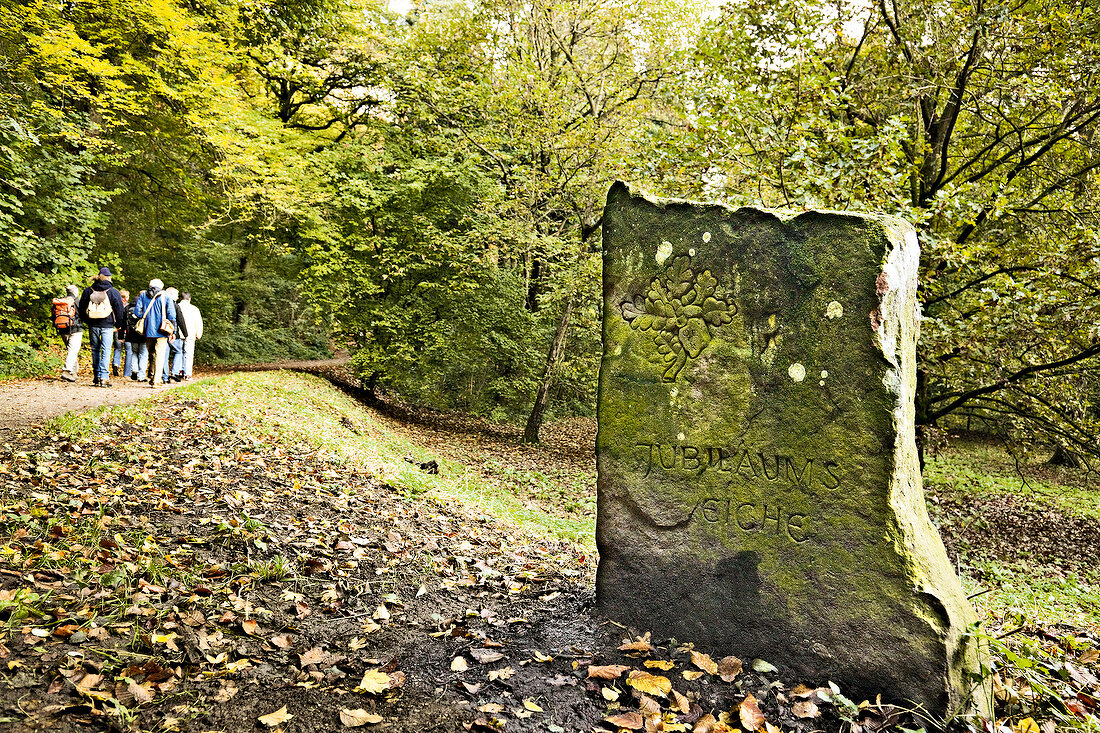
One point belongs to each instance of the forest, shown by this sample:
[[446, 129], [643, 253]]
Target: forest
[[425, 188]]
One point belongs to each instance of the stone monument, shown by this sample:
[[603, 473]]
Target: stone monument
[[759, 489]]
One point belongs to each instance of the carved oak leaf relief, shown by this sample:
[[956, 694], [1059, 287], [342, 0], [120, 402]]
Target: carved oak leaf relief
[[678, 311]]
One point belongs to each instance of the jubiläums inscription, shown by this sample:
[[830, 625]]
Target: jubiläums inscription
[[759, 493]]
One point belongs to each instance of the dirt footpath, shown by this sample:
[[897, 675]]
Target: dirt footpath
[[26, 402]]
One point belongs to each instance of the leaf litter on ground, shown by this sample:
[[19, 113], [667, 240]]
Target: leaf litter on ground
[[158, 564]]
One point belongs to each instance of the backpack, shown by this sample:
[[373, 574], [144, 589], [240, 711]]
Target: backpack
[[99, 305], [131, 317], [64, 313]]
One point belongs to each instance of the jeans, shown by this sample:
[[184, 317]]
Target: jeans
[[129, 362], [100, 338], [188, 356], [116, 358], [72, 342], [173, 361], [141, 359]]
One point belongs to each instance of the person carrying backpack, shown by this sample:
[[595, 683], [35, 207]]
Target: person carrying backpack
[[156, 320], [66, 319], [101, 307]]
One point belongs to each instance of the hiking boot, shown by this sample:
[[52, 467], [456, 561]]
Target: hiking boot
[[106, 383], [68, 376], [95, 382], [134, 377], [114, 370]]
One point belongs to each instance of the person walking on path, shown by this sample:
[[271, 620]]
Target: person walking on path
[[66, 319], [173, 364], [156, 315], [101, 306], [193, 318], [132, 342], [120, 339]]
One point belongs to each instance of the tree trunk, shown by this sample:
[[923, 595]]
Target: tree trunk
[[241, 305], [534, 420], [1063, 457]]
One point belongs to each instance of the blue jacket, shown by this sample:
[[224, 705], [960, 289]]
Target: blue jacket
[[117, 308], [156, 307]]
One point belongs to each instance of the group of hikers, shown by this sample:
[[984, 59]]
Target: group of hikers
[[132, 337]]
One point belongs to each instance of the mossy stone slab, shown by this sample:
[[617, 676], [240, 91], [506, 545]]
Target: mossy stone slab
[[759, 489]]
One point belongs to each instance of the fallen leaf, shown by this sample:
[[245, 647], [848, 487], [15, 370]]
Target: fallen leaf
[[486, 656], [1089, 656], [316, 655], [630, 721], [681, 703], [492, 708], [534, 708], [358, 717], [729, 668], [662, 664], [692, 674], [540, 657], [649, 684], [250, 627], [759, 665], [802, 691], [459, 664], [500, 674], [472, 689], [638, 647], [606, 672], [140, 693], [805, 709], [89, 682], [381, 613], [751, 717], [705, 724], [1027, 725], [704, 662], [283, 641], [227, 692], [648, 706], [609, 693], [278, 717], [374, 682]]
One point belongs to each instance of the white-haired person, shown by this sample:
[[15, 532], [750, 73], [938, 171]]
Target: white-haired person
[[187, 312], [156, 314]]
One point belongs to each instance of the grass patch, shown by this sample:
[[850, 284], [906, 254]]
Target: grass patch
[[1019, 595], [291, 408], [1047, 582], [983, 469]]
